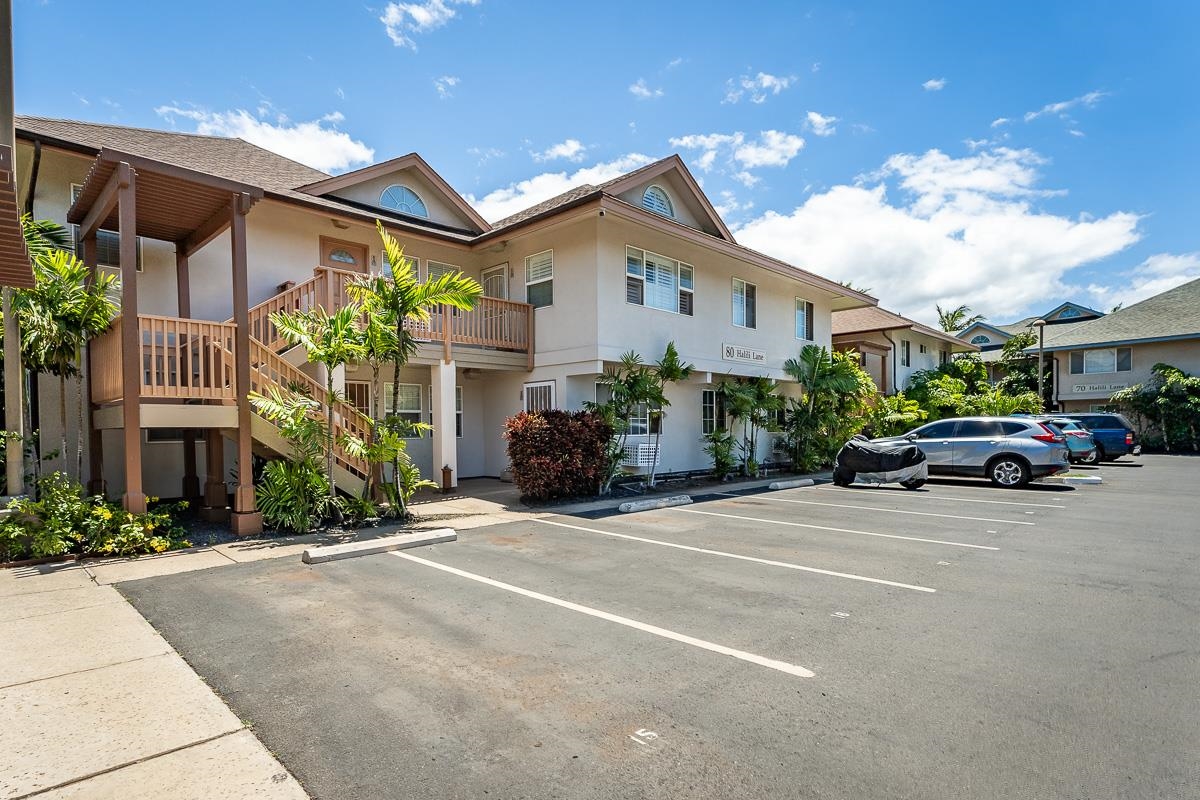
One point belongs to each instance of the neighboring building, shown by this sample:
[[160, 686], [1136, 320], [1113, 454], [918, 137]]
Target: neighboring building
[[1113, 351], [893, 347], [991, 338], [228, 230]]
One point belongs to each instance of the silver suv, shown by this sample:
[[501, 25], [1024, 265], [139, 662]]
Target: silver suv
[[1011, 451]]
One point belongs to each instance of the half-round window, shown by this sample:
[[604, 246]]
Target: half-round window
[[980, 339], [657, 201], [1070, 313], [342, 256], [403, 199]]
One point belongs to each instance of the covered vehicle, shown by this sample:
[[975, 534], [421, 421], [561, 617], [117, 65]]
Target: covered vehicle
[[880, 462]]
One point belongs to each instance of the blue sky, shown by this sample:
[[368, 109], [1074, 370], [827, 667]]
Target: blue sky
[[1008, 156]]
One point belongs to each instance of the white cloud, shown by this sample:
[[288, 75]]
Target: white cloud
[[500, 203], [402, 20], [675, 62], [758, 87], [643, 92], [340, 93], [998, 121], [444, 84], [571, 150], [816, 67], [485, 154], [965, 231], [1076, 133], [728, 204], [771, 149], [934, 84], [1088, 100], [1155, 275], [822, 125], [318, 143]]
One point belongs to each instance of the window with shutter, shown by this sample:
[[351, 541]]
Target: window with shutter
[[539, 396], [408, 407], [658, 282], [804, 320], [745, 302], [1076, 362], [436, 269], [655, 199], [539, 279]]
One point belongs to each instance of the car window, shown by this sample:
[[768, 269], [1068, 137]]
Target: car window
[[1066, 425], [1013, 428], [978, 427], [1097, 422], [938, 430]]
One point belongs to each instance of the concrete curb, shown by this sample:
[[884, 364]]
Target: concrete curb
[[1072, 480], [796, 484], [660, 502], [336, 552]]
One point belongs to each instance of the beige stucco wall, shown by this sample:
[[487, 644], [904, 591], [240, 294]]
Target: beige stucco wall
[[1184, 354]]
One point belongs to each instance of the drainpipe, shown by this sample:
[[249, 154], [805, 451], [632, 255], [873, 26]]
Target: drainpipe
[[33, 175]]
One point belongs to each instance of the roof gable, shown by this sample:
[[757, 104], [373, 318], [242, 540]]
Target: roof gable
[[365, 186], [966, 334], [1073, 312], [1173, 314], [688, 202]]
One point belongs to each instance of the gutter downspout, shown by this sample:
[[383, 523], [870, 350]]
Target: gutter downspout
[[13, 417], [33, 175]]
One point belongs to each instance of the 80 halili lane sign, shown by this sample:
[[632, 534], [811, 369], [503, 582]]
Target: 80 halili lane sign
[[735, 352]]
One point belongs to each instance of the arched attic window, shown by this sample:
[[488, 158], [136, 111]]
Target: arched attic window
[[403, 199], [980, 339], [655, 199]]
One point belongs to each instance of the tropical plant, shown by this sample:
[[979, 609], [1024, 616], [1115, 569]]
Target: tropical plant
[[59, 315], [405, 303], [633, 387], [558, 453], [892, 415], [1166, 408], [836, 396], [719, 445], [942, 392], [292, 493], [64, 520], [953, 320], [1019, 366], [332, 340], [994, 401], [669, 369], [755, 404]]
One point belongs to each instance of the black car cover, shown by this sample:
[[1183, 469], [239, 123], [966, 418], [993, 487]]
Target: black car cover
[[860, 454]]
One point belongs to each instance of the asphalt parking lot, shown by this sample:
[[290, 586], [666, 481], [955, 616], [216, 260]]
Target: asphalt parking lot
[[959, 641]]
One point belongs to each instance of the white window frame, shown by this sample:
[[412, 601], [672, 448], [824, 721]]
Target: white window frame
[[905, 353], [678, 268], [411, 191], [419, 412], [442, 267], [923, 348], [539, 385], [539, 281], [745, 306], [980, 339], [458, 412], [75, 243], [805, 308], [708, 411], [1114, 352], [367, 386], [670, 204]]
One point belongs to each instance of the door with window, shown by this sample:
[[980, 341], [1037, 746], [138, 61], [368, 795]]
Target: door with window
[[936, 441], [976, 441], [344, 255]]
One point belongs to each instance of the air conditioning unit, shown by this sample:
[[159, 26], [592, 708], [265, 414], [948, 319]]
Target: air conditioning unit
[[641, 455]]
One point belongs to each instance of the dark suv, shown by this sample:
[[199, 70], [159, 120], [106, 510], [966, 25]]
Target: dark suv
[[1114, 436]]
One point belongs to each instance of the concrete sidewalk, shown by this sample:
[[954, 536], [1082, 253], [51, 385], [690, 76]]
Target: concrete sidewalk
[[95, 704]]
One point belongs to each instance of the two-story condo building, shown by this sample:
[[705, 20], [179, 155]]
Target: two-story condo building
[[893, 347], [213, 234]]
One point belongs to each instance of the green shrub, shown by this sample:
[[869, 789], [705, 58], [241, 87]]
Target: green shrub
[[558, 453], [719, 445], [63, 520]]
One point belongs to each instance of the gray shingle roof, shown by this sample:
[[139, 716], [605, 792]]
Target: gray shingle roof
[[546, 206], [1174, 314]]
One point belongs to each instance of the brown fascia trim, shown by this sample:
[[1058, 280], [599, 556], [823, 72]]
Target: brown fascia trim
[[519, 227], [671, 227], [873, 330]]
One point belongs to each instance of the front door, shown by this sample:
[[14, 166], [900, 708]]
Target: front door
[[344, 255], [495, 281]]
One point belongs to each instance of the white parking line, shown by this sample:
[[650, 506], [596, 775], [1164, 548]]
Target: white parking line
[[770, 663], [835, 530], [872, 508], [723, 554], [946, 498]]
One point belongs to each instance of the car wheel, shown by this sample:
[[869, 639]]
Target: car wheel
[[913, 485], [1008, 471], [1094, 458]]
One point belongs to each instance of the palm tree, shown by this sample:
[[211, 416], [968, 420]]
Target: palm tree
[[957, 319], [66, 308], [669, 369], [754, 402], [821, 375], [332, 340], [381, 342]]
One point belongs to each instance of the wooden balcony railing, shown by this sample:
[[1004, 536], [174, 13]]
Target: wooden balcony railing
[[494, 323], [180, 359]]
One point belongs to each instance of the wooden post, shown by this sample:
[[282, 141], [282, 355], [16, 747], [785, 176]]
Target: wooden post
[[883, 373], [96, 483], [183, 292], [246, 519], [447, 333], [131, 340], [14, 449], [216, 498]]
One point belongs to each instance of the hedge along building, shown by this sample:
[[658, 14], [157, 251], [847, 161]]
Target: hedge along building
[[570, 285]]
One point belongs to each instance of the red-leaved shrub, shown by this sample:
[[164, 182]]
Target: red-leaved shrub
[[557, 453]]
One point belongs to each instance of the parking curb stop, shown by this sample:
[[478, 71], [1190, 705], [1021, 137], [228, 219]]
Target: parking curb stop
[[796, 484], [336, 552], [660, 502], [1074, 480]]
